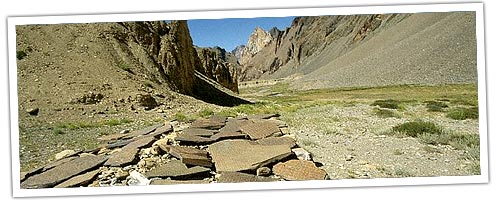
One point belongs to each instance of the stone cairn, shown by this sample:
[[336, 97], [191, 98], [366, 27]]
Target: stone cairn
[[255, 148]]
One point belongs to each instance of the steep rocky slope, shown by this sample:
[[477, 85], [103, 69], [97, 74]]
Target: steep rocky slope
[[219, 65], [79, 81], [369, 50]]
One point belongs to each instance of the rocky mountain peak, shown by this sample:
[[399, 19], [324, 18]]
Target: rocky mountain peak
[[256, 42]]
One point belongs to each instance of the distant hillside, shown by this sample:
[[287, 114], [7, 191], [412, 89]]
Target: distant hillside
[[370, 50]]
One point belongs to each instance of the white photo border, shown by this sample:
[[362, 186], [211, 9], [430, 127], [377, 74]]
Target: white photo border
[[478, 8]]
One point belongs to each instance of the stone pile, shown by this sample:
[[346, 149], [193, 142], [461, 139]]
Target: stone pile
[[215, 150]]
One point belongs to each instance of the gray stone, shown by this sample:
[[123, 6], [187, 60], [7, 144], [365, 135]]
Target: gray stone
[[238, 177], [57, 163], [241, 155], [143, 131], [175, 169], [63, 172], [233, 125], [80, 180], [295, 170], [118, 143], [260, 129]]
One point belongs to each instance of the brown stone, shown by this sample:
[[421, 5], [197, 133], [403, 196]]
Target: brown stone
[[228, 135], [124, 157], [199, 132], [143, 131], [238, 177], [63, 172], [241, 155], [208, 124], [141, 142], [118, 143], [79, 180], [176, 182], [295, 170], [57, 163], [186, 138], [290, 142], [166, 128], [112, 137], [218, 118], [191, 156], [260, 129], [233, 125], [175, 169], [264, 116]]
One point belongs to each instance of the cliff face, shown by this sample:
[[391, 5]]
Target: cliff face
[[220, 66], [308, 36], [164, 53]]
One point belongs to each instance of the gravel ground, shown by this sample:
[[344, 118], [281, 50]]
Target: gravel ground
[[350, 143]]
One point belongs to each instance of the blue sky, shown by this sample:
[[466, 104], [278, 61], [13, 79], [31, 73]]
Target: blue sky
[[231, 32]]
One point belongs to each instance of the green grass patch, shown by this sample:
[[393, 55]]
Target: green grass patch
[[430, 133], [57, 131], [418, 128], [388, 103], [181, 117], [463, 113], [205, 113], [385, 113], [116, 122], [20, 55], [435, 106], [125, 67]]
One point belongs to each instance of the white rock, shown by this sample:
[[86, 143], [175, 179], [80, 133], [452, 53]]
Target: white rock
[[302, 154], [135, 178], [64, 154]]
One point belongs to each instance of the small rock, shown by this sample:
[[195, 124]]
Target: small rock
[[135, 178], [263, 171], [125, 131], [349, 158], [33, 111], [301, 154]]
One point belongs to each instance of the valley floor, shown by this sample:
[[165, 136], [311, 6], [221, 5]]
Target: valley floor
[[354, 136]]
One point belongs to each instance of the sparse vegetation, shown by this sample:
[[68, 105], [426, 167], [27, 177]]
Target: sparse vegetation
[[206, 113], [125, 67], [384, 113], [431, 149], [388, 103], [20, 55], [181, 117], [418, 128], [435, 106], [402, 173], [463, 113]]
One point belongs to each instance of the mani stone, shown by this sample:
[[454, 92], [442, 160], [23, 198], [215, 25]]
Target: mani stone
[[233, 125], [242, 155], [124, 157], [79, 180], [175, 169], [191, 156], [63, 172], [298, 170], [213, 124], [238, 177], [186, 138], [260, 129], [141, 142], [166, 128], [199, 132], [228, 135], [290, 142]]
